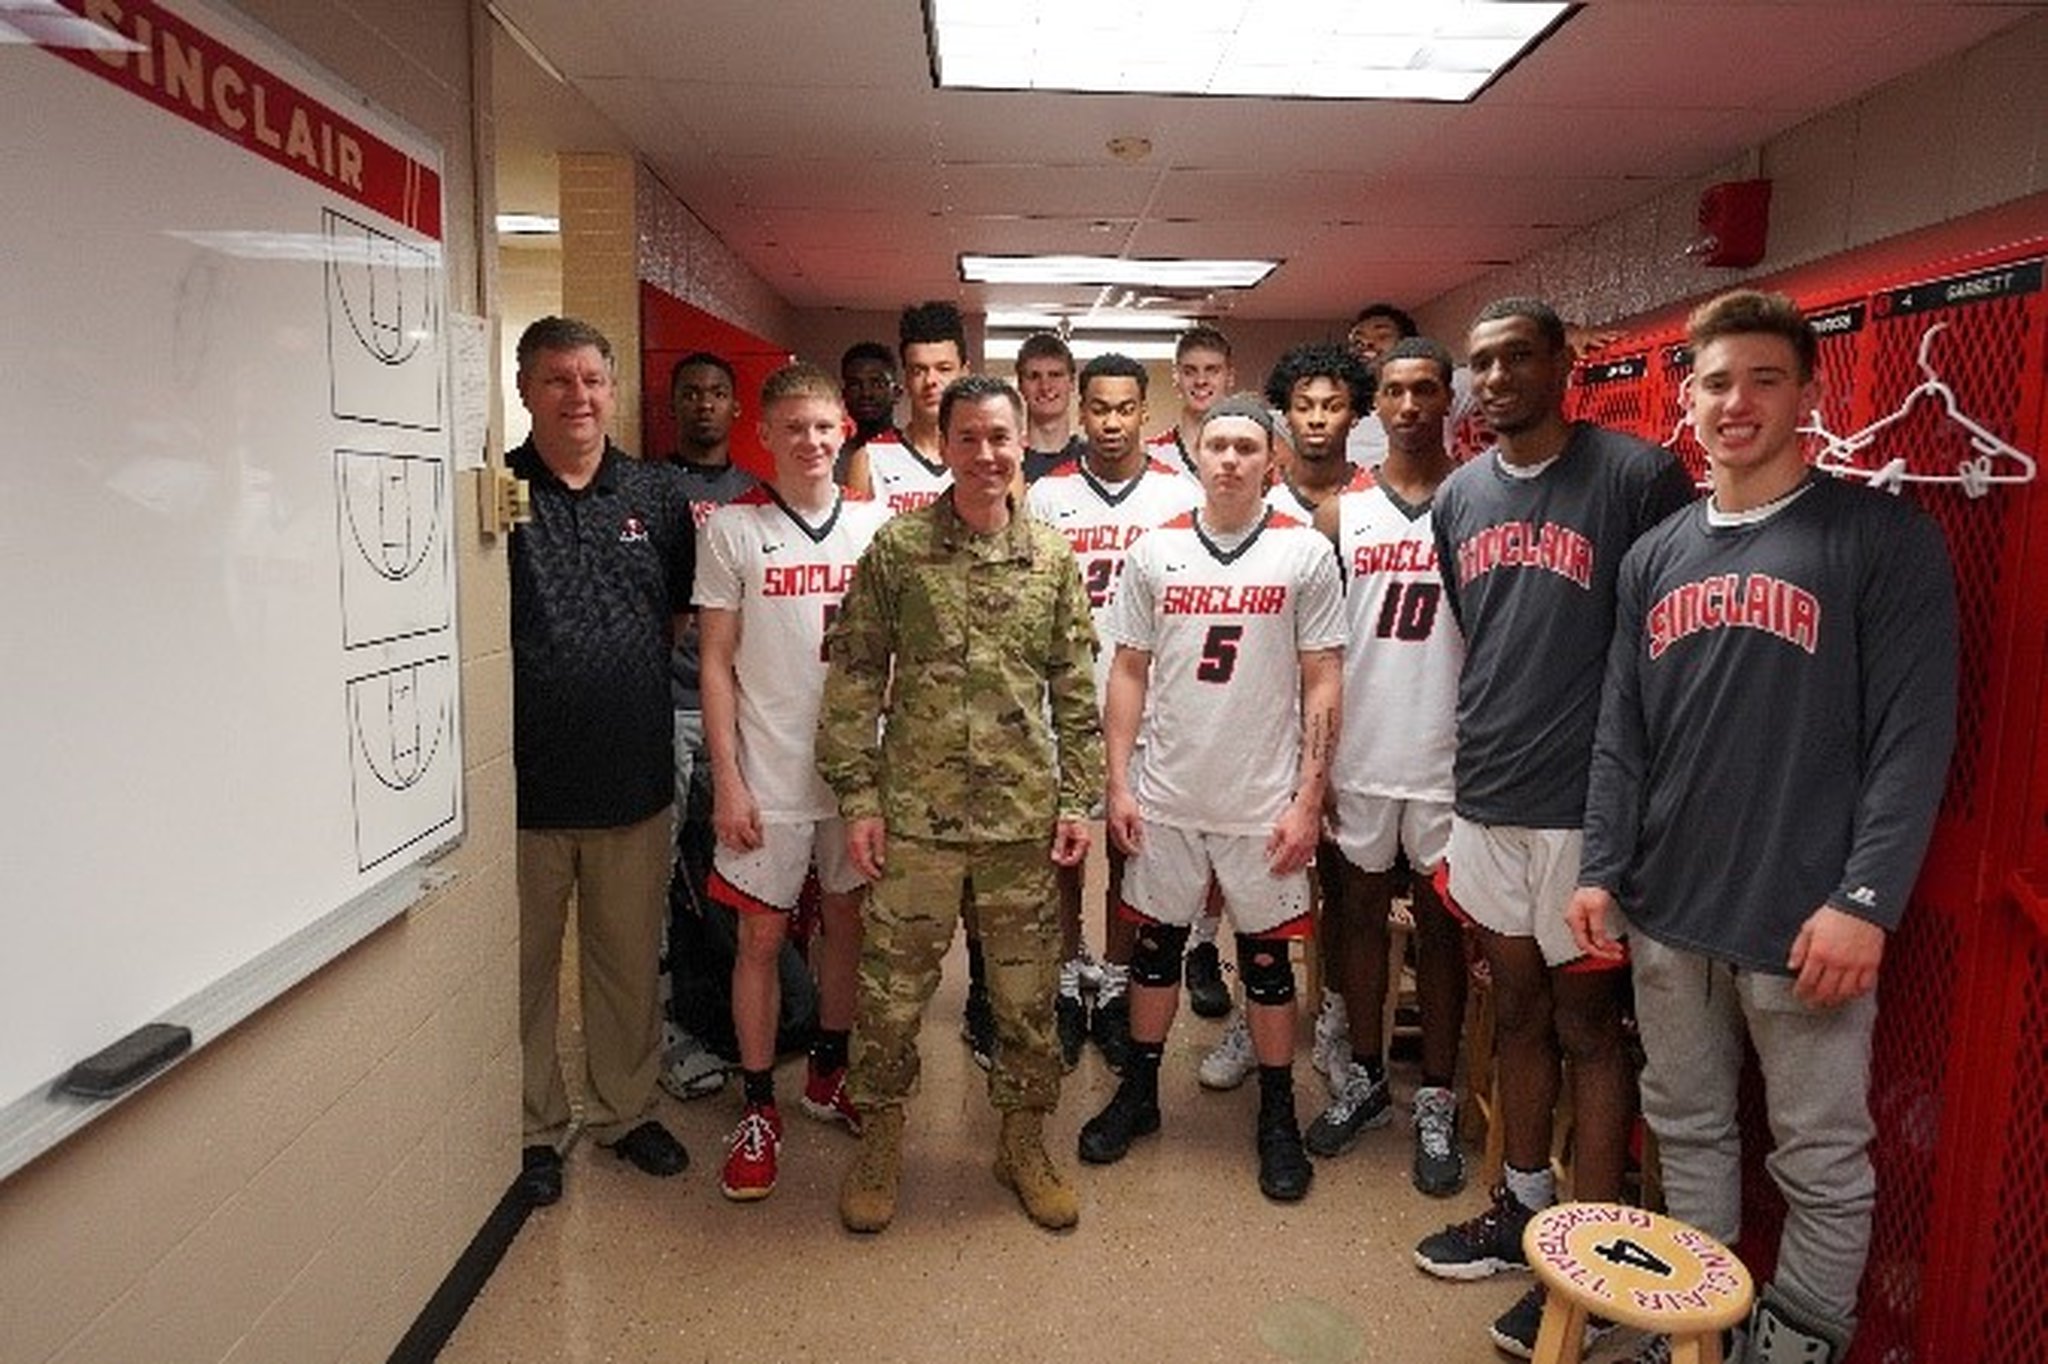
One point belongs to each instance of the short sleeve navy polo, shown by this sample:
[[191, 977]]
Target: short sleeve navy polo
[[597, 576]]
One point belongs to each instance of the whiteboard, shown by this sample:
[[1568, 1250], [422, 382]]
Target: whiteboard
[[229, 677]]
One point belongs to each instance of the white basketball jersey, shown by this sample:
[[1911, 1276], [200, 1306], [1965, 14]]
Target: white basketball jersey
[[901, 479], [1167, 449], [1401, 664], [1225, 628], [1102, 521], [785, 578], [1282, 498]]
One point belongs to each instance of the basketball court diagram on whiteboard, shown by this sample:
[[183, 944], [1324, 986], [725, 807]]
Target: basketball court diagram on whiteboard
[[383, 326], [400, 739], [394, 569]]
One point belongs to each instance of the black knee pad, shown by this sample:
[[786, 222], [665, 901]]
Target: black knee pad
[[1156, 958], [1266, 969]]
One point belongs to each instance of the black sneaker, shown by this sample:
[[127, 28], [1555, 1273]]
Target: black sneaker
[[1489, 1244], [1070, 1017], [1284, 1169], [1110, 1026], [978, 1026], [1361, 1103], [1514, 1331], [1208, 996], [1107, 1137]]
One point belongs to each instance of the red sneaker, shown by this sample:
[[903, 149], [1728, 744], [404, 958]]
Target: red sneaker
[[825, 1098], [750, 1165]]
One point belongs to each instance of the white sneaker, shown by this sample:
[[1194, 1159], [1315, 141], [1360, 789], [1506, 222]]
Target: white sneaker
[[691, 1070], [1074, 974], [1330, 1052], [1439, 1166], [1232, 1060]]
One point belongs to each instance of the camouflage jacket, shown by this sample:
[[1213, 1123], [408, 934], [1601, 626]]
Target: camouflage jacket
[[991, 732]]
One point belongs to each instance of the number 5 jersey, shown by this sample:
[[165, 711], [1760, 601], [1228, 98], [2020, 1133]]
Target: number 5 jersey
[[1225, 620]]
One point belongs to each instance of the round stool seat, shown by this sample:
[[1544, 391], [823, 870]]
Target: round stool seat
[[1638, 1268]]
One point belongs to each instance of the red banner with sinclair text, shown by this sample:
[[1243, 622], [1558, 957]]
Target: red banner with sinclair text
[[188, 72]]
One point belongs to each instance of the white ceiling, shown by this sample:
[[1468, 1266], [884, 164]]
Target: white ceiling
[[810, 138]]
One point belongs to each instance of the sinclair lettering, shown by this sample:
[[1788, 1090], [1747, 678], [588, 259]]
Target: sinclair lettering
[[807, 580], [1193, 600], [1097, 539], [1525, 544], [1396, 556], [1725, 601], [911, 501]]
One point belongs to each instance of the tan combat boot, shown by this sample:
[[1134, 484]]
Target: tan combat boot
[[867, 1196], [1023, 1165]]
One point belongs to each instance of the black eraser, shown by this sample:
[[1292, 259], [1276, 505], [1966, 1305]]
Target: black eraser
[[127, 1062]]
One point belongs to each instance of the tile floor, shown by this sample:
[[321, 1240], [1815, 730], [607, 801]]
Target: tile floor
[[1177, 1256]]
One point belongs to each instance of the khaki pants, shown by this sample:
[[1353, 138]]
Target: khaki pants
[[909, 923], [620, 880]]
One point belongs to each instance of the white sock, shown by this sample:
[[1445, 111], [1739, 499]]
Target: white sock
[[1533, 1189]]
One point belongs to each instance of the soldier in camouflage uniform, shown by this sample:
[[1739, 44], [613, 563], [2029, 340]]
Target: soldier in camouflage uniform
[[983, 778]]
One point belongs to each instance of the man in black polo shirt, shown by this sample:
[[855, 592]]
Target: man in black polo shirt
[[599, 576]]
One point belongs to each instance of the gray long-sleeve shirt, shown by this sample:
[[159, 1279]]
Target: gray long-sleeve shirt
[[1529, 565], [1776, 723]]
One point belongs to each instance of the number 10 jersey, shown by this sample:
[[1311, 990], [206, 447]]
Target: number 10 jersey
[[1400, 730]]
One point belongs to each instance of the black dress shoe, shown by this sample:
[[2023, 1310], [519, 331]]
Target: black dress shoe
[[540, 1175], [652, 1150]]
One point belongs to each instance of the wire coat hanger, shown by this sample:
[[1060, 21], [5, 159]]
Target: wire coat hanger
[[1975, 476]]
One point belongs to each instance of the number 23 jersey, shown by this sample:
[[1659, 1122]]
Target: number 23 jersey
[[1400, 730], [1102, 521], [1225, 623]]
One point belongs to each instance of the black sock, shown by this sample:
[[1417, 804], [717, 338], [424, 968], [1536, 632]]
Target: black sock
[[1276, 1088], [1141, 1071], [828, 1050], [977, 969], [1375, 1069], [759, 1086]]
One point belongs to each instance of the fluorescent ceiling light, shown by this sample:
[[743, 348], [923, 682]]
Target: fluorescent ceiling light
[[1101, 319], [1301, 49], [1086, 348], [1158, 274], [45, 23], [527, 225]]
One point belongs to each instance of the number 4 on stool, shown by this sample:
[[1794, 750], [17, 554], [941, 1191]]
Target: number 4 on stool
[[1638, 1268]]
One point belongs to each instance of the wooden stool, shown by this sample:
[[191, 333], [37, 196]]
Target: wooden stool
[[1639, 1268]]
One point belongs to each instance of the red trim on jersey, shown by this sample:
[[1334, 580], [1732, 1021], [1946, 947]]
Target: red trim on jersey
[[1160, 466], [1441, 880], [1590, 965], [1299, 927], [737, 900], [1185, 521]]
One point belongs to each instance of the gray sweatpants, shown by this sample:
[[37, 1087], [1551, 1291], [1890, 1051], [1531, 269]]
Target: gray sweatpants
[[1693, 1011]]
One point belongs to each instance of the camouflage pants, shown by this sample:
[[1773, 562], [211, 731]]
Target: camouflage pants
[[908, 925]]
